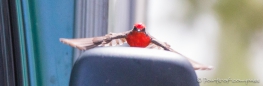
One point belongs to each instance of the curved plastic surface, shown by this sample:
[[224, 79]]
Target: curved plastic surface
[[126, 66]]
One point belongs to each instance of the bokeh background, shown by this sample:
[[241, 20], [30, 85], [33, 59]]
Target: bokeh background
[[226, 34]]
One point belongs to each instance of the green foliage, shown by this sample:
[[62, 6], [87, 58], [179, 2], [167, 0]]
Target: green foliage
[[239, 19]]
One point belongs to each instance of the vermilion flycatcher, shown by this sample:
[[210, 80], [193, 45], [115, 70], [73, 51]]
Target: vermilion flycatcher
[[137, 37]]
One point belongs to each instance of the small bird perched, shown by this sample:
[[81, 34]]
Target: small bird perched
[[137, 37]]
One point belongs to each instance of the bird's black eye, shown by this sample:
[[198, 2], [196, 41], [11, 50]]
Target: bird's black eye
[[134, 28]]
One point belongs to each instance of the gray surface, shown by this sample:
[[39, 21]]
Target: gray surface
[[126, 66]]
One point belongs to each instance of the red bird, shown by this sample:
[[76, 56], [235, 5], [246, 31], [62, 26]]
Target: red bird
[[137, 37]]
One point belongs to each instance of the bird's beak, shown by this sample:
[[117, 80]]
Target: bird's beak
[[138, 30]]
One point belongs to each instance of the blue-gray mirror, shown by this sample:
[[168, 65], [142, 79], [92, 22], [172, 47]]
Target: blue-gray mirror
[[126, 66]]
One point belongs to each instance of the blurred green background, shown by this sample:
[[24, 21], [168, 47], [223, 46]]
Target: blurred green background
[[227, 34]]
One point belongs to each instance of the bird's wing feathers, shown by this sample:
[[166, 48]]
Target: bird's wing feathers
[[155, 44], [111, 39], [114, 39], [114, 42], [80, 43]]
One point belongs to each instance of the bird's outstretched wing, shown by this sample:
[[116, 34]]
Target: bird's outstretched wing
[[155, 44], [111, 39]]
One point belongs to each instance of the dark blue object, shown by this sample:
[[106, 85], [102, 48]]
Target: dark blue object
[[126, 66]]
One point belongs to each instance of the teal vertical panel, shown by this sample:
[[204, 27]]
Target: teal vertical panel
[[28, 17], [23, 58], [46, 21]]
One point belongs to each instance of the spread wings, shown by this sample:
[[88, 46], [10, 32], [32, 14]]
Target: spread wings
[[114, 39], [156, 44], [111, 39], [88, 43]]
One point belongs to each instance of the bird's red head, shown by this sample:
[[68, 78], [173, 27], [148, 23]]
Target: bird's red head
[[139, 26]]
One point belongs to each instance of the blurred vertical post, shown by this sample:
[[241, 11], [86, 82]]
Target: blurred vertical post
[[124, 13], [91, 19], [121, 15], [141, 11]]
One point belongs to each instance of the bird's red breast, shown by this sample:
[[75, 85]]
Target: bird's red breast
[[138, 39]]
